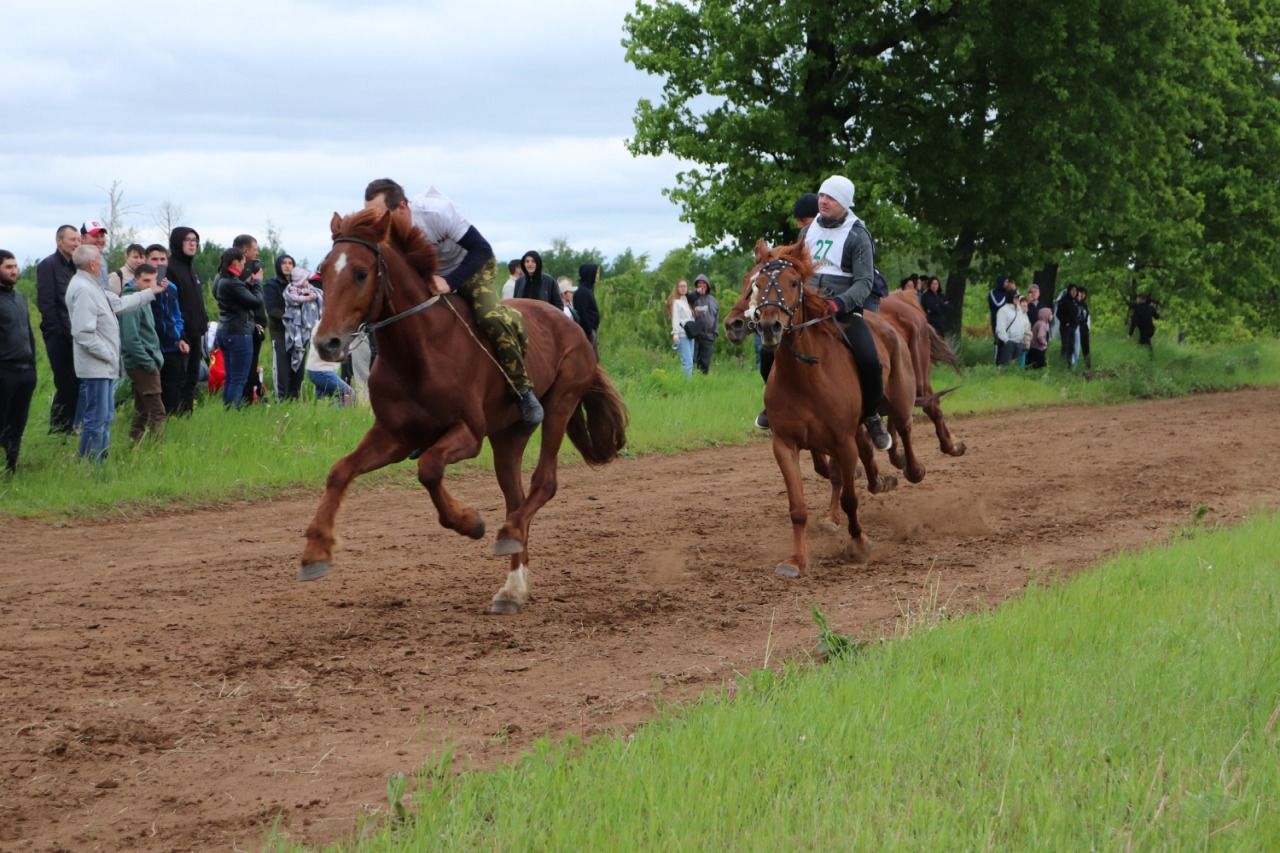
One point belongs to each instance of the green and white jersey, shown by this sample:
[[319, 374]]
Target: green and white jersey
[[827, 246], [444, 226]]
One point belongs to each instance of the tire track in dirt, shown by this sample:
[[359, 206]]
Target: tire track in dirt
[[166, 684]]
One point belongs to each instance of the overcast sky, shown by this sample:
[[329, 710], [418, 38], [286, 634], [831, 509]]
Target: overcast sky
[[249, 112]]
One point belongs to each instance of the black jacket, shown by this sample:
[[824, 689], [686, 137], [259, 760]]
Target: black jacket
[[1068, 312], [17, 340], [935, 308], [542, 287], [53, 274], [273, 300], [584, 298], [195, 319], [239, 304]]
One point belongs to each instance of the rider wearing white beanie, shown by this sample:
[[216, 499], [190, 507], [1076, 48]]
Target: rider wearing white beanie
[[839, 188]]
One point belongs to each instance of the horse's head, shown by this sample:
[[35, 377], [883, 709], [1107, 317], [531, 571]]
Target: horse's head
[[369, 248], [772, 293]]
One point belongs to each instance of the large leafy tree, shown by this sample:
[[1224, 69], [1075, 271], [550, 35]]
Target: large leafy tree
[[997, 134]]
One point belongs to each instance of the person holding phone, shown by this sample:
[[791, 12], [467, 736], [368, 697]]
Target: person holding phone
[[167, 313]]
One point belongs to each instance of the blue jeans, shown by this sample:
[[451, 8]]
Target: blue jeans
[[328, 384], [237, 353], [685, 347], [99, 409]]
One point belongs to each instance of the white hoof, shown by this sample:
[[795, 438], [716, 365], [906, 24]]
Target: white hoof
[[514, 593]]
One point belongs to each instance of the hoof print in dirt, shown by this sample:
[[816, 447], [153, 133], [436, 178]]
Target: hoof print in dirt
[[313, 571]]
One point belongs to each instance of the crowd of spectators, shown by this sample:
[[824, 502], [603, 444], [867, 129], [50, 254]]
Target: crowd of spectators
[[146, 325]]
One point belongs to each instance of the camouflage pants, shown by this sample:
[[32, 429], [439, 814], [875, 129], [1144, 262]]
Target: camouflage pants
[[503, 326]]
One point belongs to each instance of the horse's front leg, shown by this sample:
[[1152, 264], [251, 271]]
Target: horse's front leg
[[828, 471], [876, 482], [789, 463], [847, 460], [456, 444], [377, 449]]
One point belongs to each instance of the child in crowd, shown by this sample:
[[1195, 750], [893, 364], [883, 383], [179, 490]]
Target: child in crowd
[[303, 305], [1039, 339], [1026, 335]]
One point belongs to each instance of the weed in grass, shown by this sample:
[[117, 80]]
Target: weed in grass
[[832, 645]]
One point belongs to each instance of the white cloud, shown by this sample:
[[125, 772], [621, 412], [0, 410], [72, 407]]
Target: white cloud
[[248, 112]]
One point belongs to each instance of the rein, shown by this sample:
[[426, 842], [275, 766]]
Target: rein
[[773, 269], [382, 274]]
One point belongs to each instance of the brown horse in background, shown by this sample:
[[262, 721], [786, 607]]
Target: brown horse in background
[[813, 395], [437, 390], [902, 309]]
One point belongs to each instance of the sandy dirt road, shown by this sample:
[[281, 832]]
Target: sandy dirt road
[[166, 684]]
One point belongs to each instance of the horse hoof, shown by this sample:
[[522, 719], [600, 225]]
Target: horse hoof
[[860, 550], [888, 483], [477, 530], [506, 547], [503, 607], [829, 525], [960, 449], [786, 570], [313, 571], [915, 475], [897, 458]]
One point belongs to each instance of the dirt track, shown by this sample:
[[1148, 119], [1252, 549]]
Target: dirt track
[[166, 684]]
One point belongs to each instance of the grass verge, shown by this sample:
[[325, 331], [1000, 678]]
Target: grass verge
[[218, 455], [1137, 705]]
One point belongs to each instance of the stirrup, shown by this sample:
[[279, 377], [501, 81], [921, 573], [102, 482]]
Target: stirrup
[[880, 436]]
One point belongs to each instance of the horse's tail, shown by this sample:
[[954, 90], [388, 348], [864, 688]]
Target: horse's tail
[[940, 352], [598, 427], [922, 402]]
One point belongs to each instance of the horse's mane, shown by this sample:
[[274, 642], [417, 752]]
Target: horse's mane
[[407, 239]]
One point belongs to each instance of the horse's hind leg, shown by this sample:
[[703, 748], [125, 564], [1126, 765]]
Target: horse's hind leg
[[513, 537], [847, 460], [375, 450], [876, 483], [456, 444], [827, 471], [946, 443], [508, 450]]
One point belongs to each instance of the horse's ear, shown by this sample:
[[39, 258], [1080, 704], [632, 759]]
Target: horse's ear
[[335, 223], [762, 251], [383, 226]]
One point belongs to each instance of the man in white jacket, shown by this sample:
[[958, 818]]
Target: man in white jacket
[[1011, 326], [95, 345]]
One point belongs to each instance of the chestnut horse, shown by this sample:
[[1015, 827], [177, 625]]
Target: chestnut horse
[[813, 395], [438, 391], [902, 309]]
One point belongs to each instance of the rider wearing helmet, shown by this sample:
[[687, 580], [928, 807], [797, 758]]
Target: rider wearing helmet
[[844, 270], [466, 267]]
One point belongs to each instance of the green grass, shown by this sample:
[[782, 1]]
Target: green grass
[[218, 455], [1136, 706]]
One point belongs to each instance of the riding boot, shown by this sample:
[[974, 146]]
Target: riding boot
[[867, 361]]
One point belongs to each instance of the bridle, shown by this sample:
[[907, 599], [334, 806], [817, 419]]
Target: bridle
[[381, 275], [772, 270]]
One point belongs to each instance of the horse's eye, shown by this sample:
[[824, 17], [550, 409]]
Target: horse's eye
[[362, 276]]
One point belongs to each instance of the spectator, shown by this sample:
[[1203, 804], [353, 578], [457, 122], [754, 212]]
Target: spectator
[[706, 314], [584, 302], [184, 245], [94, 233], [324, 376], [1143, 314], [134, 254], [1026, 332], [95, 335], [252, 276], [536, 284], [303, 307], [1033, 302], [565, 285], [53, 276], [1083, 325], [142, 356], [17, 362], [167, 315], [805, 210], [1011, 324], [1040, 339], [935, 304], [681, 316], [996, 299], [238, 305], [513, 275], [911, 283], [287, 381], [1067, 314]]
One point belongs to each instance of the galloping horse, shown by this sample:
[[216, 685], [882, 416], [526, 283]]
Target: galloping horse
[[437, 390], [902, 309], [813, 395]]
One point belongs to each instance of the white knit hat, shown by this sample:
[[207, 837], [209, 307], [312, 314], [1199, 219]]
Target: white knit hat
[[839, 188]]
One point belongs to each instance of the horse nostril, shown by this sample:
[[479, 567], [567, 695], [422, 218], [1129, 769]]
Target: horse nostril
[[776, 327], [331, 344]]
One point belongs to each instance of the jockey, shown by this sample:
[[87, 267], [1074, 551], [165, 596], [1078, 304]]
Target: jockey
[[844, 269], [466, 267]]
